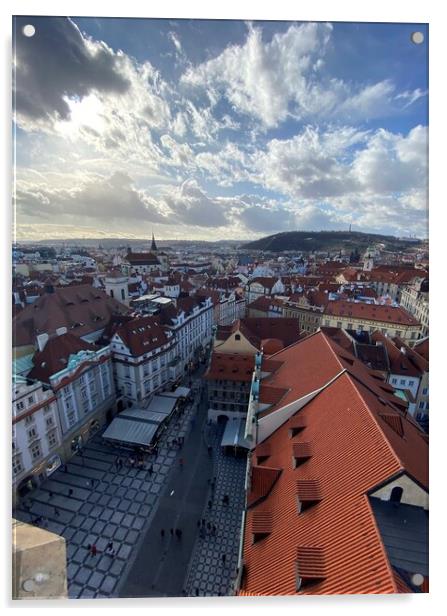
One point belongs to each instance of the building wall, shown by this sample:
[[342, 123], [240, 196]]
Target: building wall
[[412, 493], [409, 333], [227, 398], [234, 345]]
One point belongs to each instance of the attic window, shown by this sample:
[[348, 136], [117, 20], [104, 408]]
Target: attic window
[[237, 337], [301, 452], [261, 525], [308, 492], [296, 425], [310, 566]]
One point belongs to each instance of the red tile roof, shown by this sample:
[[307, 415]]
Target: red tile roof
[[82, 309], [388, 314], [230, 367], [335, 543], [142, 335], [55, 355]]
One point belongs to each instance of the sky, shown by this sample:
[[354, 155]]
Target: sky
[[196, 129]]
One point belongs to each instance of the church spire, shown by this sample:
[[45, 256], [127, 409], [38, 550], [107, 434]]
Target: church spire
[[153, 245]]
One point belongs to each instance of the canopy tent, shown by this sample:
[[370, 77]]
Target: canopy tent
[[142, 415], [180, 392], [233, 435], [131, 432], [161, 405]]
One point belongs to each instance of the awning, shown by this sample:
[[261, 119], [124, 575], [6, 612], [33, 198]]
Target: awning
[[125, 430], [161, 405], [180, 392], [233, 435], [142, 415]]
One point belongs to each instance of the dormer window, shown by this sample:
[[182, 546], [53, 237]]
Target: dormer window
[[261, 525], [301, 452], [296, 425], [310, 566], [263, 452], [308, 492]]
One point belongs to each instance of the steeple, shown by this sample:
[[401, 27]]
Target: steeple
[[153, 245]]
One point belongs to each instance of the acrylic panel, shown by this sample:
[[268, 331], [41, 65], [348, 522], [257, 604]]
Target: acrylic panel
[[220, 308]]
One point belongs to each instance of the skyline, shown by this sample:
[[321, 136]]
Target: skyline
[[208, 130]]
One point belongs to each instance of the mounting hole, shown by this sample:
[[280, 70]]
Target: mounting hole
[[29, 30], [417, 38]]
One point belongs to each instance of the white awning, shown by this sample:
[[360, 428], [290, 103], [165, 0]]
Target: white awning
[[161, 405], [143, 415], [233, 435], [180, 392], [129, 431]]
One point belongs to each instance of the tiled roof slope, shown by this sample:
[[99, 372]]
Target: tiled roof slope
[[55, 355], [81, 309], [373, 312], [142, 335], [353, 450]]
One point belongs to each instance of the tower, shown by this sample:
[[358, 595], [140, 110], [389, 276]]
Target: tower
[[153, 244]]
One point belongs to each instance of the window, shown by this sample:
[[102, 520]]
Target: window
[[421, 405], [20, 405], [31, 400], [123, 295], [396, 494], [237, 337], [82, 379], [69, 402], [339, 324], [84, 393], [35, 451], [17, 466], [394, 381], [52, 439], [410, 383], [32, 434], [403, 381], [111, 293], [425, 391], [49, 421], [71, 419], [29, 420], [85, 406], [398, 333], [67, 389]]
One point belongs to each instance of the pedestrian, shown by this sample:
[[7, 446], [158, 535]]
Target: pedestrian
[[210, 504], [214, 529], [151, 469], [162, 533], [180, 461], [92, 483], [210, 450], [50, 495], [172, 532], [70, 492], [93, 550], [208, 526], [224, 558], [199, 523], [197, 592], [56, 512], [178, 533], [203, 521]]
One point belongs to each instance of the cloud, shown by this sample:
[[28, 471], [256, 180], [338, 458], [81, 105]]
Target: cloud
[[105, 200], [285, 78], [190, 205], [58, 62]]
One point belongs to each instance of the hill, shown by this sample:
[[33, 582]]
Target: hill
[[306, 241]]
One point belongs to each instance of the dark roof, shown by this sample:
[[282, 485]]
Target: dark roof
[[54, 356], [142, 335], [82, 309], [404, 532]]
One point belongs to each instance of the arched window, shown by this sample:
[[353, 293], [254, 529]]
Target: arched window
[[396, 494]]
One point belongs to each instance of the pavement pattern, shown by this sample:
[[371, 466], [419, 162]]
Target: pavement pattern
[[209, 574], [115, 508]]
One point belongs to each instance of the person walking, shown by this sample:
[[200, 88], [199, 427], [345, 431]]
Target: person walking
[[178, 533], [197, 592], [70, 492], [214, 530], [210, 451], [93, 550], [92, 483], [208, 526], [210, 504], [151, 469], [224, 559], [56, 512], [172, 532], [199, 523], [162, 533]]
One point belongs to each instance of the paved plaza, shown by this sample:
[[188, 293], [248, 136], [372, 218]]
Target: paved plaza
[[93, 502], [208, 575], [116, 508]]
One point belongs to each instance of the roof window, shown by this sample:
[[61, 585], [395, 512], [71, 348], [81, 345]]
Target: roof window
[[310, 566]]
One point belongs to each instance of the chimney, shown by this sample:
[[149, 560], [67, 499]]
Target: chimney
[[42, 339], [60, 331]]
